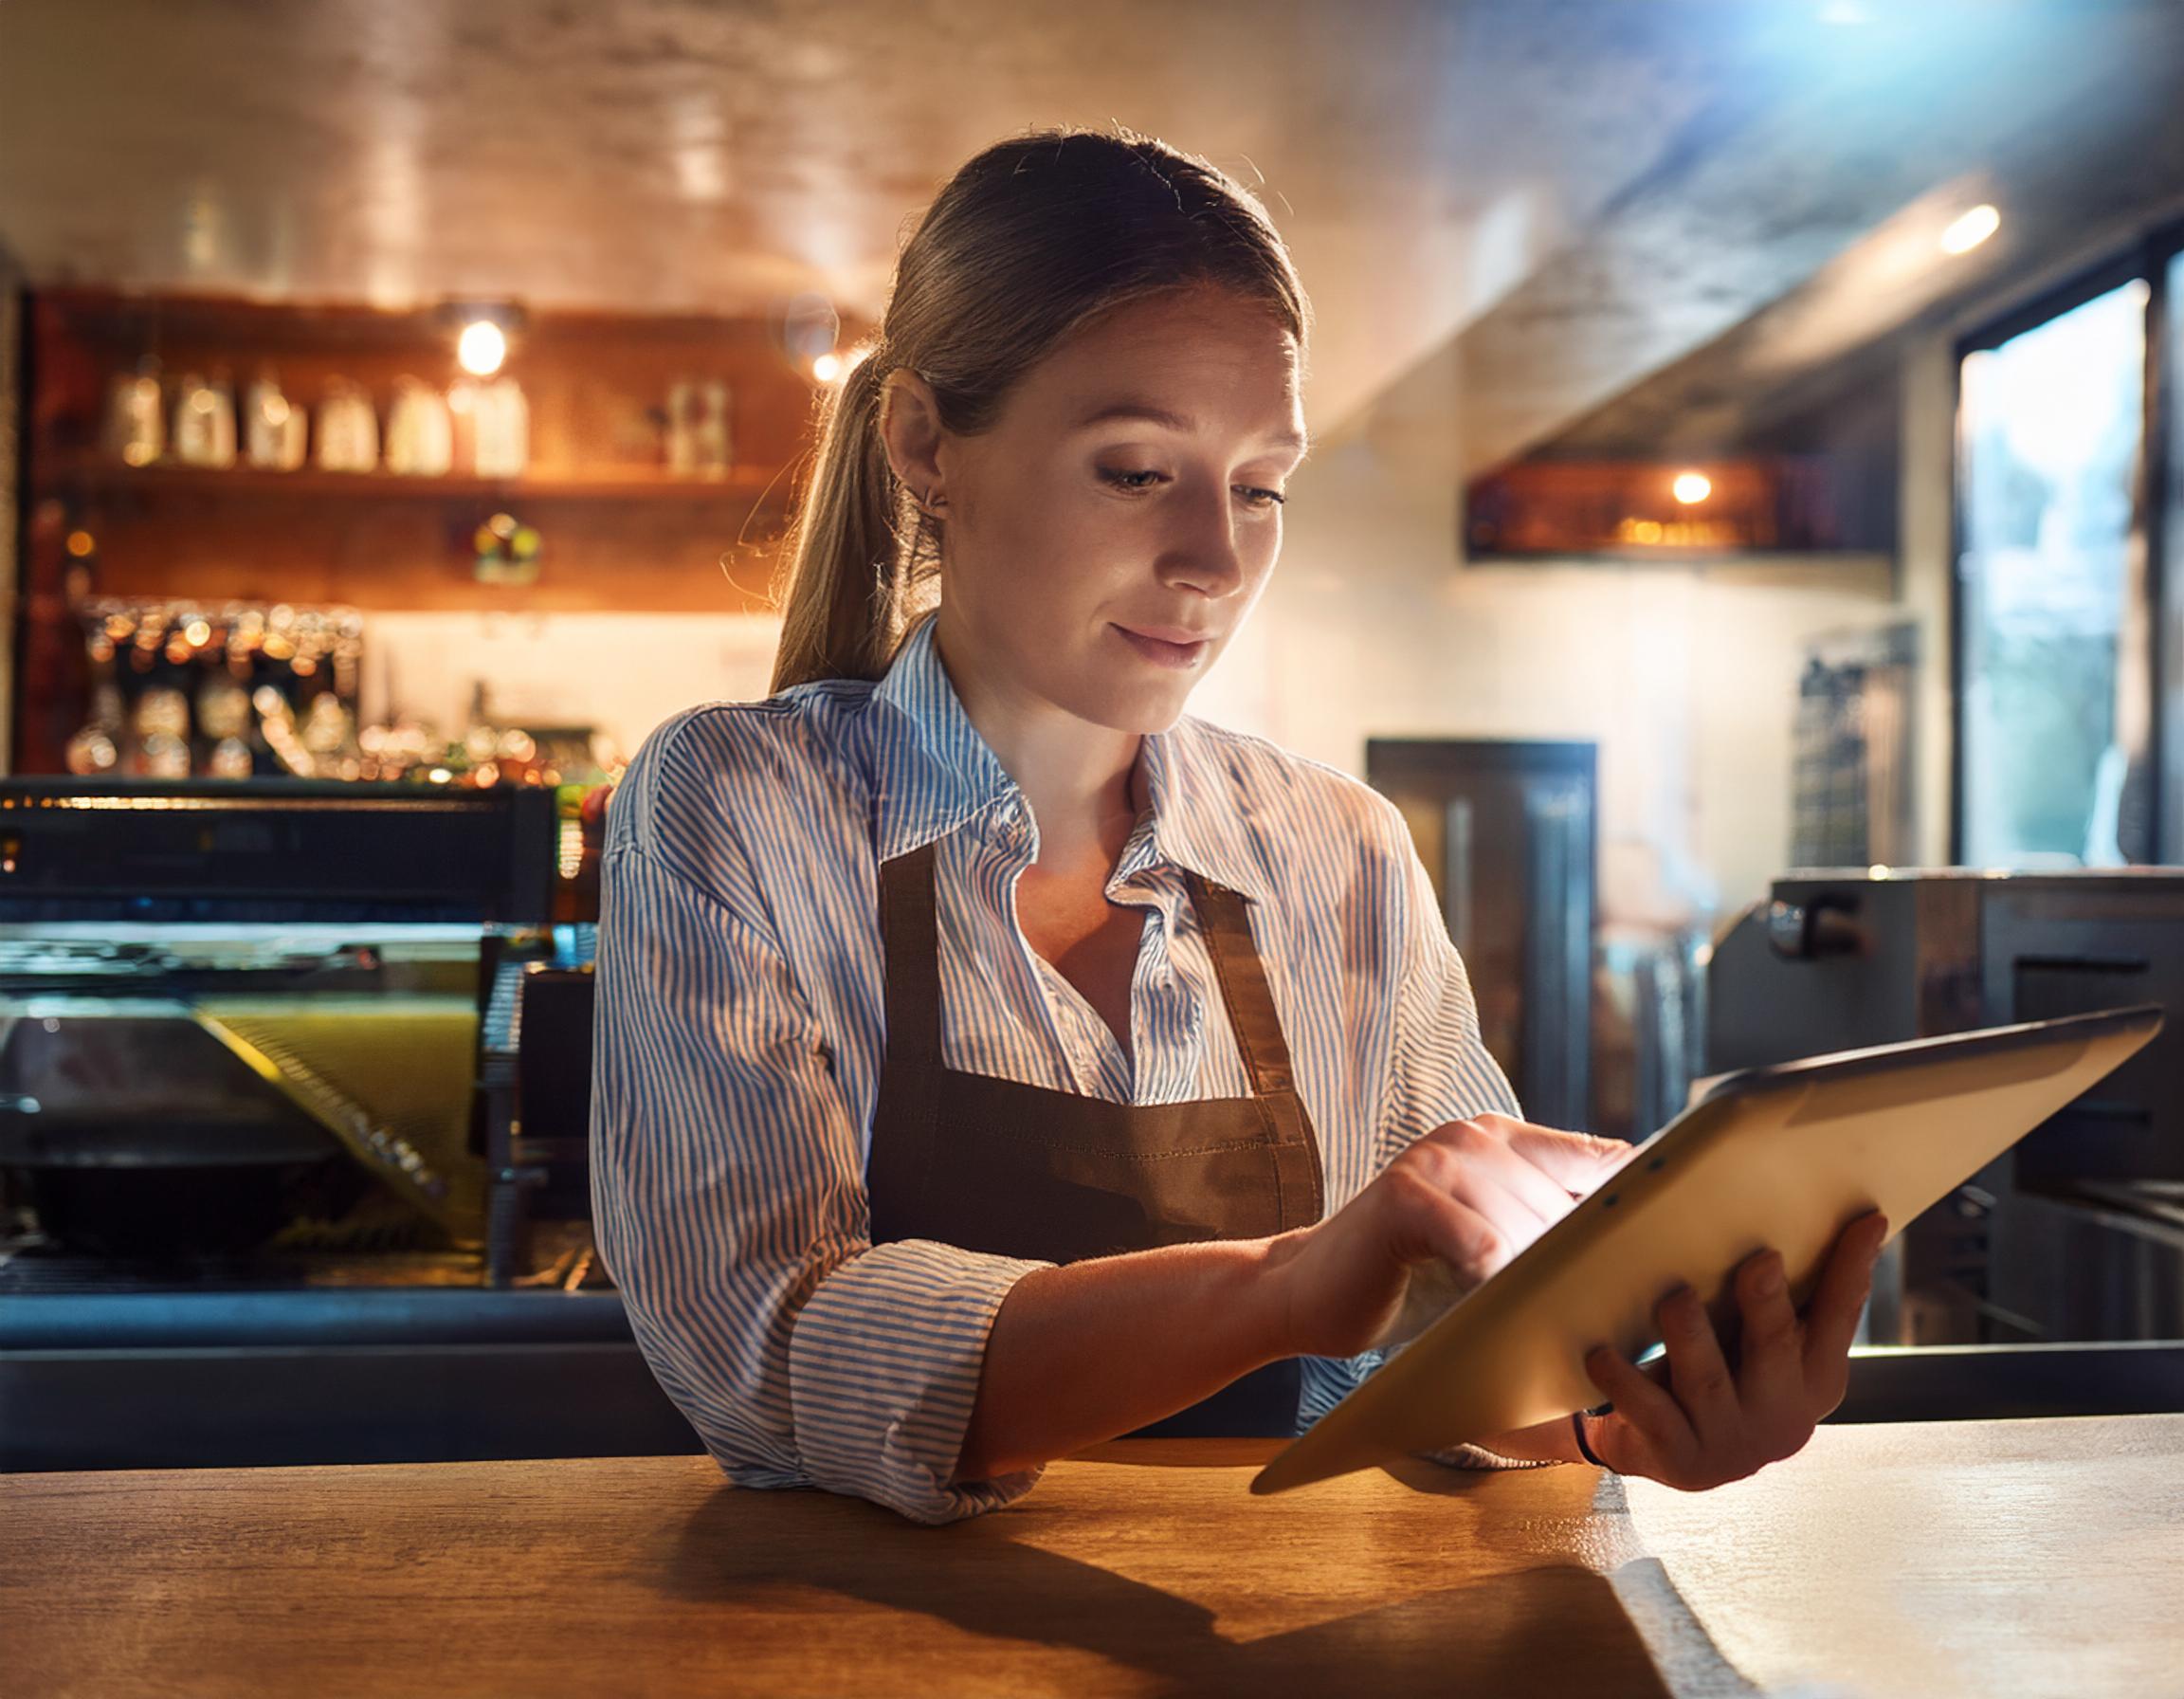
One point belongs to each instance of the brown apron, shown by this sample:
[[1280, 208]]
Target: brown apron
[[1021, 1170]]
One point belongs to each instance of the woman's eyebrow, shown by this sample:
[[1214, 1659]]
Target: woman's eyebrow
[[1146, 412]]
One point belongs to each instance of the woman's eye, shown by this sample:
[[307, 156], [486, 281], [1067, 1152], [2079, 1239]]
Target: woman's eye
[[1257, 496]]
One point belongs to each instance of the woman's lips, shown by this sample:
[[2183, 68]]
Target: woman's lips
[[1160, 650]]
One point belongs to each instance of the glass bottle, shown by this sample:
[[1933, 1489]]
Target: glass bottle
[[502, 420], [205, 422], [713, 447], [136, 419], [274, 429]]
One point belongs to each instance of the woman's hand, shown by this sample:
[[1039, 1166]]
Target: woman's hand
[[1451, 1210], [1700, 1424]]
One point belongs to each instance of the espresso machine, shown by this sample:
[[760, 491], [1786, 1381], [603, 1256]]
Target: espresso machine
[[270, 1033]]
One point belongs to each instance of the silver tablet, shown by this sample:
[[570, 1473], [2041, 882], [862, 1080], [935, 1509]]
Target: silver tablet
[[1783, 1156]]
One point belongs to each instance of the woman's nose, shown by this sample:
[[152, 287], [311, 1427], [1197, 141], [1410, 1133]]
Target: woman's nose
[[1205, 549]]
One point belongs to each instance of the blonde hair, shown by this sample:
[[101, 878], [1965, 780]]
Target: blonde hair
[[1029, 241]]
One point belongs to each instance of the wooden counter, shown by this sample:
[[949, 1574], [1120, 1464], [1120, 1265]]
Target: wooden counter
[[1929, 1560]]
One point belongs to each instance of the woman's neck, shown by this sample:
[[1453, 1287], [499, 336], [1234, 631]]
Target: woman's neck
[[1084, 783]]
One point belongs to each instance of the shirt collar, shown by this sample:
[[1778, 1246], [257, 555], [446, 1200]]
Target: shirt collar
[[1198, 809], [935, 772]]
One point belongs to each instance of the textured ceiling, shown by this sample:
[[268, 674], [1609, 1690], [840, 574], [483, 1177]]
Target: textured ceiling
[[1764, 273], [1422, 157], [1509, 214]]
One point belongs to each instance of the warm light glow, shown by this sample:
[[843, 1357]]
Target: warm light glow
[[826, 367], [482, 347], [1969, 230], [1691, 487]]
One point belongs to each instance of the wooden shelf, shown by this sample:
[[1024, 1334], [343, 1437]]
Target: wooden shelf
[[94, 474], [620, 533]]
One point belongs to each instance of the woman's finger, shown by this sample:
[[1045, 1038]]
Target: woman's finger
[[1485, 1147], [1698, 1372], [1458, 1174], [1645, 1415], [1444, 1247], [1832, 1317], [1771, 1364], [1440, 1219], [1576, 1162]]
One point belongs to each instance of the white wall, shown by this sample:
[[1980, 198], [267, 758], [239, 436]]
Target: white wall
[[1685, 676]]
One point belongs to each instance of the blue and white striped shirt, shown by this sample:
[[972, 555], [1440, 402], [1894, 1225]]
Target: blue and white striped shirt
[[739, 1032]]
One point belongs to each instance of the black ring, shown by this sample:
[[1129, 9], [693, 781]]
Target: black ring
[[1585, 1450]]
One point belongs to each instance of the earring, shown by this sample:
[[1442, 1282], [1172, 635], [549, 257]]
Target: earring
[[933, 502]]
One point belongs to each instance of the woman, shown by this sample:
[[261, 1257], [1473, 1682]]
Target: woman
[[993, 1059]]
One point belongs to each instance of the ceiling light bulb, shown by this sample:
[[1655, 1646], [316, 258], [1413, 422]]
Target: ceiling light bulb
[[1969, 230], [1691, 487], [482, 347], [826, 367]]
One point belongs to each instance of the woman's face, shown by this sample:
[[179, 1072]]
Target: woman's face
[[1078, 517]]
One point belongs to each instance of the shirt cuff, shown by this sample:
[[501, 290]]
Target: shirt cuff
[[884, 1366], [1477, 1456]]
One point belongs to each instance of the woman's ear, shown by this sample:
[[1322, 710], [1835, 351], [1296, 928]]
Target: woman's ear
[[911, 431]]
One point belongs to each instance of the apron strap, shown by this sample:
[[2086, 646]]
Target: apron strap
[[910, 933], [898, 1167], [1244, 988]]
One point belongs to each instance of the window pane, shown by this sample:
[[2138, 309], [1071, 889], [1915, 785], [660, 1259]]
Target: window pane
[[2049, 437], [2170, 575]]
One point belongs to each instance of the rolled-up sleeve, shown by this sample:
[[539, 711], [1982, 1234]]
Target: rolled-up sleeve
[[1438, 1069], [730, 1207]]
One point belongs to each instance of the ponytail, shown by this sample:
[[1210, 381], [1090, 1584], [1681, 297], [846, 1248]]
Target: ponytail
[[852, 572]]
